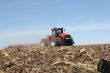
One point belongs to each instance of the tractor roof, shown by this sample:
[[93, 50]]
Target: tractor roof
[[55, 28]]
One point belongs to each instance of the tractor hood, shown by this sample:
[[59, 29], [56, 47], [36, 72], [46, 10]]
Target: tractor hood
[[64, 34]]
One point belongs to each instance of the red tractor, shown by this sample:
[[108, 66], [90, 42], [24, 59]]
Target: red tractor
[[58, 38]]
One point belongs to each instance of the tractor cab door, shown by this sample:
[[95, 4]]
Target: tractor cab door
[[54, 33]]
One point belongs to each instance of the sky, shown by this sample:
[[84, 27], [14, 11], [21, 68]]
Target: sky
[[27, 21]]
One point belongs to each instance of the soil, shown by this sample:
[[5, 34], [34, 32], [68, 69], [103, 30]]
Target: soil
[[64, 59]]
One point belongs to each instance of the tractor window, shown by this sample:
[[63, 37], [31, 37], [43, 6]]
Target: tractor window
[[54, 32], [60, 31]]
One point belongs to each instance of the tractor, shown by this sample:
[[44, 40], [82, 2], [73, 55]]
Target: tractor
[[58, 38]]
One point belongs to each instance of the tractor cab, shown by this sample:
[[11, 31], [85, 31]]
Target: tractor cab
[[56, 31]]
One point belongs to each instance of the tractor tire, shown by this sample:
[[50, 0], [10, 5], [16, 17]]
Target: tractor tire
[[102, 65], [57, 41], [44, 42]]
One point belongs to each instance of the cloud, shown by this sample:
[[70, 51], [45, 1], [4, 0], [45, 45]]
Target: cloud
[[22, 34], [45, 32], [89, 27], [21, 37]]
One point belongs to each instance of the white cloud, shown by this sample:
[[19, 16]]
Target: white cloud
[[21, 34], [89, 27], [20, 37], [45, 32]]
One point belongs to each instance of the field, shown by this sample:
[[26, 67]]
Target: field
[[64, 59]]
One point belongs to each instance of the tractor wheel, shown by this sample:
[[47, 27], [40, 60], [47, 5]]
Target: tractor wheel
[[101, 65], [57, 41], [44, 42]]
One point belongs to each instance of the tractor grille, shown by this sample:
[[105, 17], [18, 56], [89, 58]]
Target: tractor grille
[[68, 40]]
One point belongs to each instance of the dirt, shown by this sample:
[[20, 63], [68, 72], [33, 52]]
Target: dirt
[[64, 59]]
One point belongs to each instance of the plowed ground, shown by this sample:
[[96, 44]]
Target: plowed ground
[[64, 59]]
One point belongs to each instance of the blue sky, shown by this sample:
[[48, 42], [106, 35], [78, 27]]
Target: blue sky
[[27, 21]]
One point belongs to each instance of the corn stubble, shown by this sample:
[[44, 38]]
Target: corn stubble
[[64, 59]]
